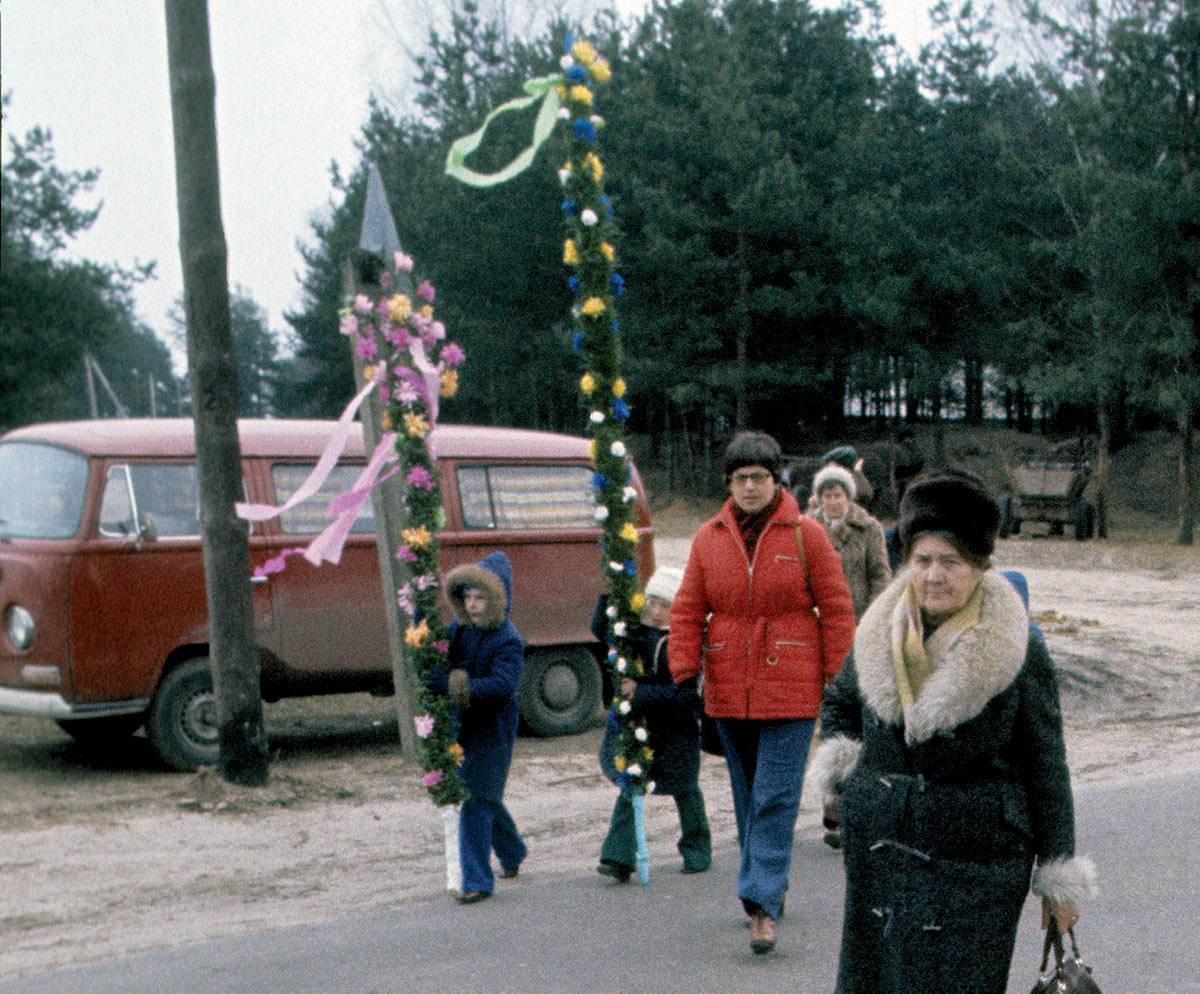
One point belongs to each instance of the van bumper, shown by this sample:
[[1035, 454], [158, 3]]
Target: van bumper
[[44, 704]]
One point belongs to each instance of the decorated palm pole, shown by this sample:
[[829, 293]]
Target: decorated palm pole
[[590, 259]]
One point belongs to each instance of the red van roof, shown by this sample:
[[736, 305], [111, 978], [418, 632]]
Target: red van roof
[[142, 437]]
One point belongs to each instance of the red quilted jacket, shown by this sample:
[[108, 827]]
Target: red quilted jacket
[[750, 625]]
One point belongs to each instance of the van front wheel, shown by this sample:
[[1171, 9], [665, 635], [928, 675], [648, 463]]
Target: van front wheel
[[559, 691], [182, 723]]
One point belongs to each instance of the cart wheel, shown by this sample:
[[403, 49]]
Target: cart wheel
[[1081, 520], [1005, 515]]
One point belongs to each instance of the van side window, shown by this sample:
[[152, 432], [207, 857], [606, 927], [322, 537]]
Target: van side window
[[526, 497], [166, 493], [309, 518], [116, 507]]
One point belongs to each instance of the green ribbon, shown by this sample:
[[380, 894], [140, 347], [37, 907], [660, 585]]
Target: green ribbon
[[544, 89]]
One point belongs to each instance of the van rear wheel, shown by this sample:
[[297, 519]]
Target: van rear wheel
[[559, 691], [182, 723]]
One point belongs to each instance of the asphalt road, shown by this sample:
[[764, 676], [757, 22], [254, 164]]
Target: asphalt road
[[582, 933]]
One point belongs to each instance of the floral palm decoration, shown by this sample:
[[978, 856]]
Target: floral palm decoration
[[590, 259], [413, 365]]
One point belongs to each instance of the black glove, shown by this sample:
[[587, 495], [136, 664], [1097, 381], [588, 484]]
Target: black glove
[[458, 688], [687, 692]]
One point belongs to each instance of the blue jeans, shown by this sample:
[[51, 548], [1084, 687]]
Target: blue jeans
[[766, 762], [482, 827]]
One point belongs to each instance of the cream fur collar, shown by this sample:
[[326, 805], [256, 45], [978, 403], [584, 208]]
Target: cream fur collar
[[969, 668]]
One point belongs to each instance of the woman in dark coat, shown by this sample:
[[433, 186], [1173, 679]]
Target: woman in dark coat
[[485, 659], [674, 738], [943, 735]]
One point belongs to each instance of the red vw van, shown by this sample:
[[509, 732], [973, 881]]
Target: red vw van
[[102, 582]]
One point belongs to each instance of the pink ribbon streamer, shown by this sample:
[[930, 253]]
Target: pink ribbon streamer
[[329, 457], [327, 547], [431, 374]]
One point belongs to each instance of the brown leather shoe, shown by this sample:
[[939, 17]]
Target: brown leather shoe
[[473, 896], [762, 932], [510, 873]]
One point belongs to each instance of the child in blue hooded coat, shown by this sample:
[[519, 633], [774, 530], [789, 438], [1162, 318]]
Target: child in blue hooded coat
[[485, 659]]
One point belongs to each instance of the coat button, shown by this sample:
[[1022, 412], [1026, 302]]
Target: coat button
[[772, 660]]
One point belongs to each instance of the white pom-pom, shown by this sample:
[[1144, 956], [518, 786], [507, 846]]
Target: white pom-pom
[[630, 493], [600, 513], [624, 707], [563, 114], [588, 217], [615, 566], [635, 770], [617, 449], [611, 610], [622, 666], [650, 786], [566, 62], [597, 121], [619, 629], [563, 176], [641, 734], [597, 417]]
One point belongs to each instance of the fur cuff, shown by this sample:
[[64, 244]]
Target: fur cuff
[[1072, 878], [834, 760]]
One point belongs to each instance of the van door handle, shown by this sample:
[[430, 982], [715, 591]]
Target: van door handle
[[259, 579]]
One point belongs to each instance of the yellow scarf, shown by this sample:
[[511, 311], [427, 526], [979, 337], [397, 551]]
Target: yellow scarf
[[910, 662]]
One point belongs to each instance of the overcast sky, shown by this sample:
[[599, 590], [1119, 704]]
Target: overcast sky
[[293, 77]]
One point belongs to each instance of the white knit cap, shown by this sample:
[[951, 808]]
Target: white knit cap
[[665, 583], [833, 473]]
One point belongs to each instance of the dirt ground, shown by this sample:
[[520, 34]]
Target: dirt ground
[[103, 854]]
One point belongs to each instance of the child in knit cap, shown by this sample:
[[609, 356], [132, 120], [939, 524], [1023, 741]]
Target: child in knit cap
[[674, 738]]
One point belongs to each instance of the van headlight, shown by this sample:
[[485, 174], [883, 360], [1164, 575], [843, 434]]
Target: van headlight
[[19, 623]]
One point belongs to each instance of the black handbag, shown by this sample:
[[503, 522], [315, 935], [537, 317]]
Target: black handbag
[[1071, 975]]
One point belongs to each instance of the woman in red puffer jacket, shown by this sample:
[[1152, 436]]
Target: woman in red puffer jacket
[[765, 614]]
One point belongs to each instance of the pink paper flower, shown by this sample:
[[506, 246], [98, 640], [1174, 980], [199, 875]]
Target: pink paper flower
[[425, 581], [398, 335], [366, 348], [407, 395], [426, 291], [432, 778], [404, 597], [348, 325], [403, 263], [424, 723], [419, 476], [384, 394], [405, 555], [442, 646], [452, 354], [362, 304], [438, 330]]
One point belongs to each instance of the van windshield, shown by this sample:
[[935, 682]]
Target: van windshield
[[42, 488]]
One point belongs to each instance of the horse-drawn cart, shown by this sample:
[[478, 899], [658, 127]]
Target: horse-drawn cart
[[1048, 488]]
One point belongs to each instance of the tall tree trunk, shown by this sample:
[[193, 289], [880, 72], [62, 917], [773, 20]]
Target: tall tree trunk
[[741, 413], [243, 753], [1103, 457], [1187, 494]]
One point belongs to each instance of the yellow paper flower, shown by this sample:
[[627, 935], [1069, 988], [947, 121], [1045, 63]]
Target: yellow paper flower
[[416, 635], [417, 538], [608, 251], [385, 421], [593, 307], [561, 90], [449, 380], [620, 763], [583, 52], [456, 753], [580, 94], [427, 311], [399, 308], [629, 532], [587, 383], [601, 71], [618, 387], [592, 449], [415, 426], [647, 754], [637, 601], [570, 253], [592, 161], [368, 373]]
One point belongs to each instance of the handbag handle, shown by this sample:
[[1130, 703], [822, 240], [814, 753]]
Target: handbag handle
[[1054, 941]]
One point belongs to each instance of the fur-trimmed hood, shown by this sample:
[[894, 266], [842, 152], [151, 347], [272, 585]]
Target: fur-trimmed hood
[[493, 576], [970, 668]]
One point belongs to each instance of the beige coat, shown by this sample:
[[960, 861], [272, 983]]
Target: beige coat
[[859, 542]]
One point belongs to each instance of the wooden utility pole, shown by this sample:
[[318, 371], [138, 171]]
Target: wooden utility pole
[[379, 241], [243, 743]]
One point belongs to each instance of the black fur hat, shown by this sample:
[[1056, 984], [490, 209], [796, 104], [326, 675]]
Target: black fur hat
[[753, 448], [953, 502]]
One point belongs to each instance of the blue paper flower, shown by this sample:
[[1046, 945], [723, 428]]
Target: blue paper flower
[[568, 42], [577, 341], [599, 481], [616, 326], [620, 410], [573, 283], [577, 74], [568, 208], [584, 130], [630, 567], [608, 207], [617, 282]]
